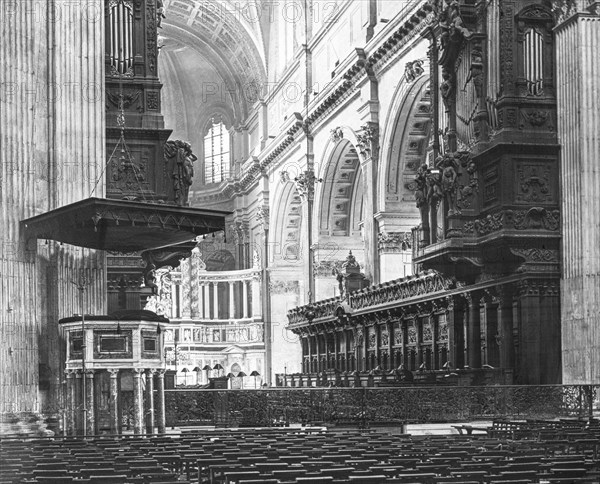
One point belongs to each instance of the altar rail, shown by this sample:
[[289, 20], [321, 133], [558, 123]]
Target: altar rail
[[372, 406]]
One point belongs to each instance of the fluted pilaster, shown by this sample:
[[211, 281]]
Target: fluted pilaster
[[578, 81]]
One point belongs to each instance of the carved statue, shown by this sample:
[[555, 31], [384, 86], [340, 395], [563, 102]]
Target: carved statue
[[421, 185], [160, 13], [449, 183], [183, 169], [451, 23], [447, 88]]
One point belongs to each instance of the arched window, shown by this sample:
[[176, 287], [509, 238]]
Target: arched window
[[216, 152]]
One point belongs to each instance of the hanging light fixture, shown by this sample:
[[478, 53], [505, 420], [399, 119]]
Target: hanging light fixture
[[158, 329]]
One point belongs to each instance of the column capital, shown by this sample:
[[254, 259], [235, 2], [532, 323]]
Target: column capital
[[137, 372], [150, 372], [90, 373], [70, 373], [114, 372], [160, 373]]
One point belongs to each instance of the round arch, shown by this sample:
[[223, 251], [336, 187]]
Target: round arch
[[287, 224], [404, 144], [339, 207]]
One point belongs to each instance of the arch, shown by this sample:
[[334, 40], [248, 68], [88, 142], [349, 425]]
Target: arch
[[339, 202], [405, 141], [287, 224]]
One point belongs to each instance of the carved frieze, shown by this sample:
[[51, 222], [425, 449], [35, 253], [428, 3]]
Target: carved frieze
[[284, 287], [327, 268], [535, 218], [394, 242], [537, 255]]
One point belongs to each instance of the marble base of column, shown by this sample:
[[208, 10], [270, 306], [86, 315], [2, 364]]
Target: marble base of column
[[115, 428], [160, 402], [138, 424], [71, 403], [149, 401], [90, 416]]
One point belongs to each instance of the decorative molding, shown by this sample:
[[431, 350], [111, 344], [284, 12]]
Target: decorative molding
[[413, 69]]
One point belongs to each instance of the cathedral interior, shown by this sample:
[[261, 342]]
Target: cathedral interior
[[284, 195]]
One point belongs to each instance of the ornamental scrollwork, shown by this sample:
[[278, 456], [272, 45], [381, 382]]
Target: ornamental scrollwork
[[336, 134], [413, 70]]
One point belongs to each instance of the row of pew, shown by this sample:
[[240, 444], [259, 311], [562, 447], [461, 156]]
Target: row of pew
[[284, 455]]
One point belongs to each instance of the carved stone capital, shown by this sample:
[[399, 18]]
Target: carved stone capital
[[368, 141], [262, 215]]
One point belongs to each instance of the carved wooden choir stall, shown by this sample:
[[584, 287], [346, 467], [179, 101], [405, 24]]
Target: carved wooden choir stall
[[484, 303]]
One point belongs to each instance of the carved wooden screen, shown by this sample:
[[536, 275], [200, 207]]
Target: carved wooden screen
[[120, 36]]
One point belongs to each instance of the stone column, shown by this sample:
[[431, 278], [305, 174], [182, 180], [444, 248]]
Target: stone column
[[450, 320], [335, 350], [115, 427], [505, 327], [231, 300], [309, 369], [473, 331], [149, 402], [206, 301], [215, 300], [138, 426], [160, 402], [245, 299], [71, 403], [318, 368], [90, 418]]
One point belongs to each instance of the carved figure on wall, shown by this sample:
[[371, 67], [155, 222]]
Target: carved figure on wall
[[183, 169], [413, 70], [451, 23], [449, 181], [160, 13], [421, 185], [447, 88]]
